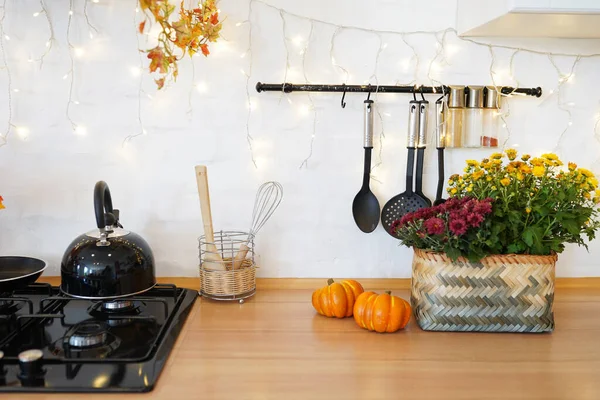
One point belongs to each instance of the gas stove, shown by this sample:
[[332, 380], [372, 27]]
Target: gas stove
[[50, 342]]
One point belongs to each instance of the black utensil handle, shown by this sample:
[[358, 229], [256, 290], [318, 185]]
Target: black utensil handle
[[103, 205], [367, 168], [419, 183], [410, 164], [441, 176]]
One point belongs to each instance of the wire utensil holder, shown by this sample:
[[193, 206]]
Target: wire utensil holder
[[227, 279]]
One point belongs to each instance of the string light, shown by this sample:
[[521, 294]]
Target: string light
[[310, 99], [249, 137], [561, 81], [4, 136], [87, 19], [70, 73], [332, 57], [22, 132], [137, 72]]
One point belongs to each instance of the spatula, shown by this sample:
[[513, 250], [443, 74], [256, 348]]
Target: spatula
[[212, 258]]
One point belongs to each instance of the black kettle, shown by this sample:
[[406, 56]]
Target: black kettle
[[109, 262]]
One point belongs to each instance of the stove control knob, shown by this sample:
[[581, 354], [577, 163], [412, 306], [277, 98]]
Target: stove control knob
[[32, 373], [2, 370]]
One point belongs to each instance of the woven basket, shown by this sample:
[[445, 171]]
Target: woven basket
[[229, 285], [501, 293]]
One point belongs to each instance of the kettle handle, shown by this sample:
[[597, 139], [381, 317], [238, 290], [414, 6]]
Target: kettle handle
[[103, 206]]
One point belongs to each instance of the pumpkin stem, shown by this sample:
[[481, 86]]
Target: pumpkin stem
[[389, 292], [329, 281]]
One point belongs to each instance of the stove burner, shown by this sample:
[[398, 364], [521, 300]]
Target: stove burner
[[89, 334], [118, 306]]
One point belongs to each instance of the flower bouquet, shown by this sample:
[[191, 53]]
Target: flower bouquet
[[485, 259]]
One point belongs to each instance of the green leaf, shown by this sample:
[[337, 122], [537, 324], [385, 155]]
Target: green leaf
[[532, 236], [452, 253], [513, 248], [571, 226]]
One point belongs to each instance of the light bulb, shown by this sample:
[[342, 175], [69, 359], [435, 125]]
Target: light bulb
[[385, 45], [36, 14], [238, 24], [76, 102], [80, 130], [144, 131], [70, 12], [243, 72], [6, 37], [91, 35], [135, 71], [48, 43], [289, 100], [202, 87], [65, 76], [95, 1], [297, 40], [570, 123], [137, 9], [22, 132], [79, 52], [243, 54], [16, 90]]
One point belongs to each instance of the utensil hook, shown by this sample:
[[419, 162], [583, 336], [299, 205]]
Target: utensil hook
[[413, 93], [343, 103], [421, 91]]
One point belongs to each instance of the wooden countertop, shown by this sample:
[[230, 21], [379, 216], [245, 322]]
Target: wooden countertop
[[275, 346]]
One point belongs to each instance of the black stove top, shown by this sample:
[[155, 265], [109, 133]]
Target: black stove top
[[50, 342]]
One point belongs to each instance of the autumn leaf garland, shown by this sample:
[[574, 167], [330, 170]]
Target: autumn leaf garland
[[189, 34]]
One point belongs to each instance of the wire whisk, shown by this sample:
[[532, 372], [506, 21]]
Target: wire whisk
[[268, 198]]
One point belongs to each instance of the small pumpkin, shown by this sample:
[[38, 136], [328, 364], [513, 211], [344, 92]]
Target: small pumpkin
[[381, 312], [337, 298]]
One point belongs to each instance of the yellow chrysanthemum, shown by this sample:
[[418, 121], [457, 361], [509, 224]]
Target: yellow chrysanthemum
[[494, 188], [550, 156], [572, 166], [587, 195], [477, 175], [597, 193], [488, 178], [528, 210], [538, 171], [511, 153], [496, 156], [537, 162], [524, 168], [473, 163], [453, 191], [525, 157], [469, 189], [505, 181], [586, 172], [520, 176], [593, 182]]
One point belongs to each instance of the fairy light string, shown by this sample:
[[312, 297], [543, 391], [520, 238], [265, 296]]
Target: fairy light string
[[3, 36], [51, 38]]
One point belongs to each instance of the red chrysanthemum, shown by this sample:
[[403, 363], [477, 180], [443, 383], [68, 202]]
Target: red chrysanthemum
[[435, 226], [474, 219], [458, 226]]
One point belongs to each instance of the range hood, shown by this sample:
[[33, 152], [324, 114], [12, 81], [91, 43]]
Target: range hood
[[529, 18]]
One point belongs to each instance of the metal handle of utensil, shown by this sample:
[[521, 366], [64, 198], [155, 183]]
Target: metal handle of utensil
[[368, 121], [440, 126], [423, 110], [413, 123]]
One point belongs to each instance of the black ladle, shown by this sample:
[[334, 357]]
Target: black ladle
[[440, 144], [365, 207]]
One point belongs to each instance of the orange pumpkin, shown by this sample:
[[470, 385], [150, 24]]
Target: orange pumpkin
[[337, 299], [381, 312]]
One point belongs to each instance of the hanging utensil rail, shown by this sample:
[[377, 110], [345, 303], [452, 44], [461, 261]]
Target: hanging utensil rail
[[343, 88]]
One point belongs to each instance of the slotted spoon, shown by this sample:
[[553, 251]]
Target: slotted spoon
[[407, 201]]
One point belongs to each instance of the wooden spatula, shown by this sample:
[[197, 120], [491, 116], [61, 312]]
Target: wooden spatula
[[212, 258]]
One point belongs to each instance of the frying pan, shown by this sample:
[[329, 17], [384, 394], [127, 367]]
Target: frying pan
[[17, 272]]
